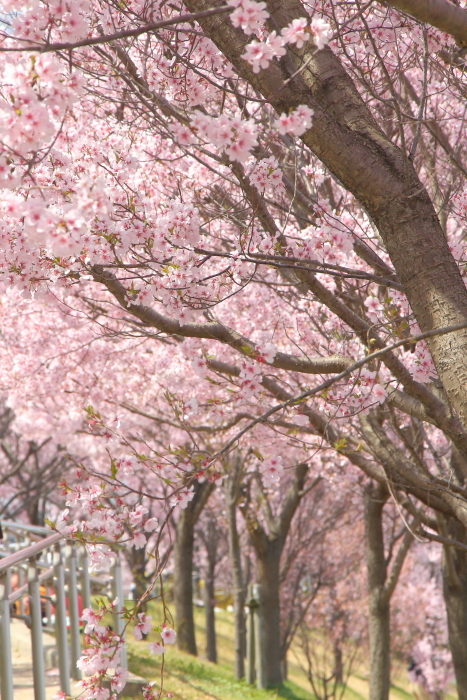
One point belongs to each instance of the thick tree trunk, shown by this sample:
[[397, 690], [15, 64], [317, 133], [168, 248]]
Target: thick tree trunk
[[183, 582], [238, 586], [455, 597], [268, 572], [209, 604], [379, 610]]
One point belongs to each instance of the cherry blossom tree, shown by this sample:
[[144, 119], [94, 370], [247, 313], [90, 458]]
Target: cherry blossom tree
[[270, 195]]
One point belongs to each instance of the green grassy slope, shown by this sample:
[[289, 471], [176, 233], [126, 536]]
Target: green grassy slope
[[190, 678]]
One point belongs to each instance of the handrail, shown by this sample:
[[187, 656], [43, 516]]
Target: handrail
[[27, 528], [67, 574], [28, 552]]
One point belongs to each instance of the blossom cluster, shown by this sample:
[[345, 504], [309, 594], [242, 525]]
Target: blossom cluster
[[260, 53], [100, 660], [327, 243], [267, 176], [420, 363], [271, 471], [363, 390], [97, 523], [234, 135], [296, 122], [248, 15]]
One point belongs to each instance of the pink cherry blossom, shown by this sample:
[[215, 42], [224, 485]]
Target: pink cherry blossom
[[296, 32], [321, 32], [249, 15], [143, 626], [168, 635], [297, 122]]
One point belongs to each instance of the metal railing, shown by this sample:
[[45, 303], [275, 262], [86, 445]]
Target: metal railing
[[63, 567]]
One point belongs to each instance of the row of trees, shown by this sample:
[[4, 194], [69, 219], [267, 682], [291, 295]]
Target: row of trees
[[243, 229], [303, 543]]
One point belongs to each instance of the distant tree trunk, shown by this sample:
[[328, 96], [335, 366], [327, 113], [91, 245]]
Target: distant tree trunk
[[183, 567], [33, 512], [268, 548], [268, 573], [209, 603], [231, 497], [183, 582], [210, 537], [379, 603], [137, 560], [455, 597], [338, 663]]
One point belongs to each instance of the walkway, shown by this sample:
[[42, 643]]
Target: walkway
[[21, 653]]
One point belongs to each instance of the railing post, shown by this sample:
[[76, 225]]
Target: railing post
[[74, 614], [48, 605], [6, 668], [60, 621], [38, 669], [85, 580], [117, 591]]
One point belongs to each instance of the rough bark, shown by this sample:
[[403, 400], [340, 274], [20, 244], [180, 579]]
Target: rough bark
[[183, 568], [378, 602], [232, 493], [346, 138]]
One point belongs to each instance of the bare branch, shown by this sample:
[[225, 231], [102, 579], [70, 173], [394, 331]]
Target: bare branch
[[125, 33]]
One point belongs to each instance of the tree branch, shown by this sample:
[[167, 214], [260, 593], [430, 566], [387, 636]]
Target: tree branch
[[441, 14], [214, 331], [124, 34]]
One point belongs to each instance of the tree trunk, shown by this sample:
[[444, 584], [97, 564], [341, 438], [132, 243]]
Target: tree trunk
[[211, 541], [455, 597], [338, 664], [284, 667], [237, 577], [137, 560], [268, 549], [183, 582], [268, 568], [183, 567], [379, 604], [209, 603]]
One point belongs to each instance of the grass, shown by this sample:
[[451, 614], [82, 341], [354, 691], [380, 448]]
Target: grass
[[195, 678]]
